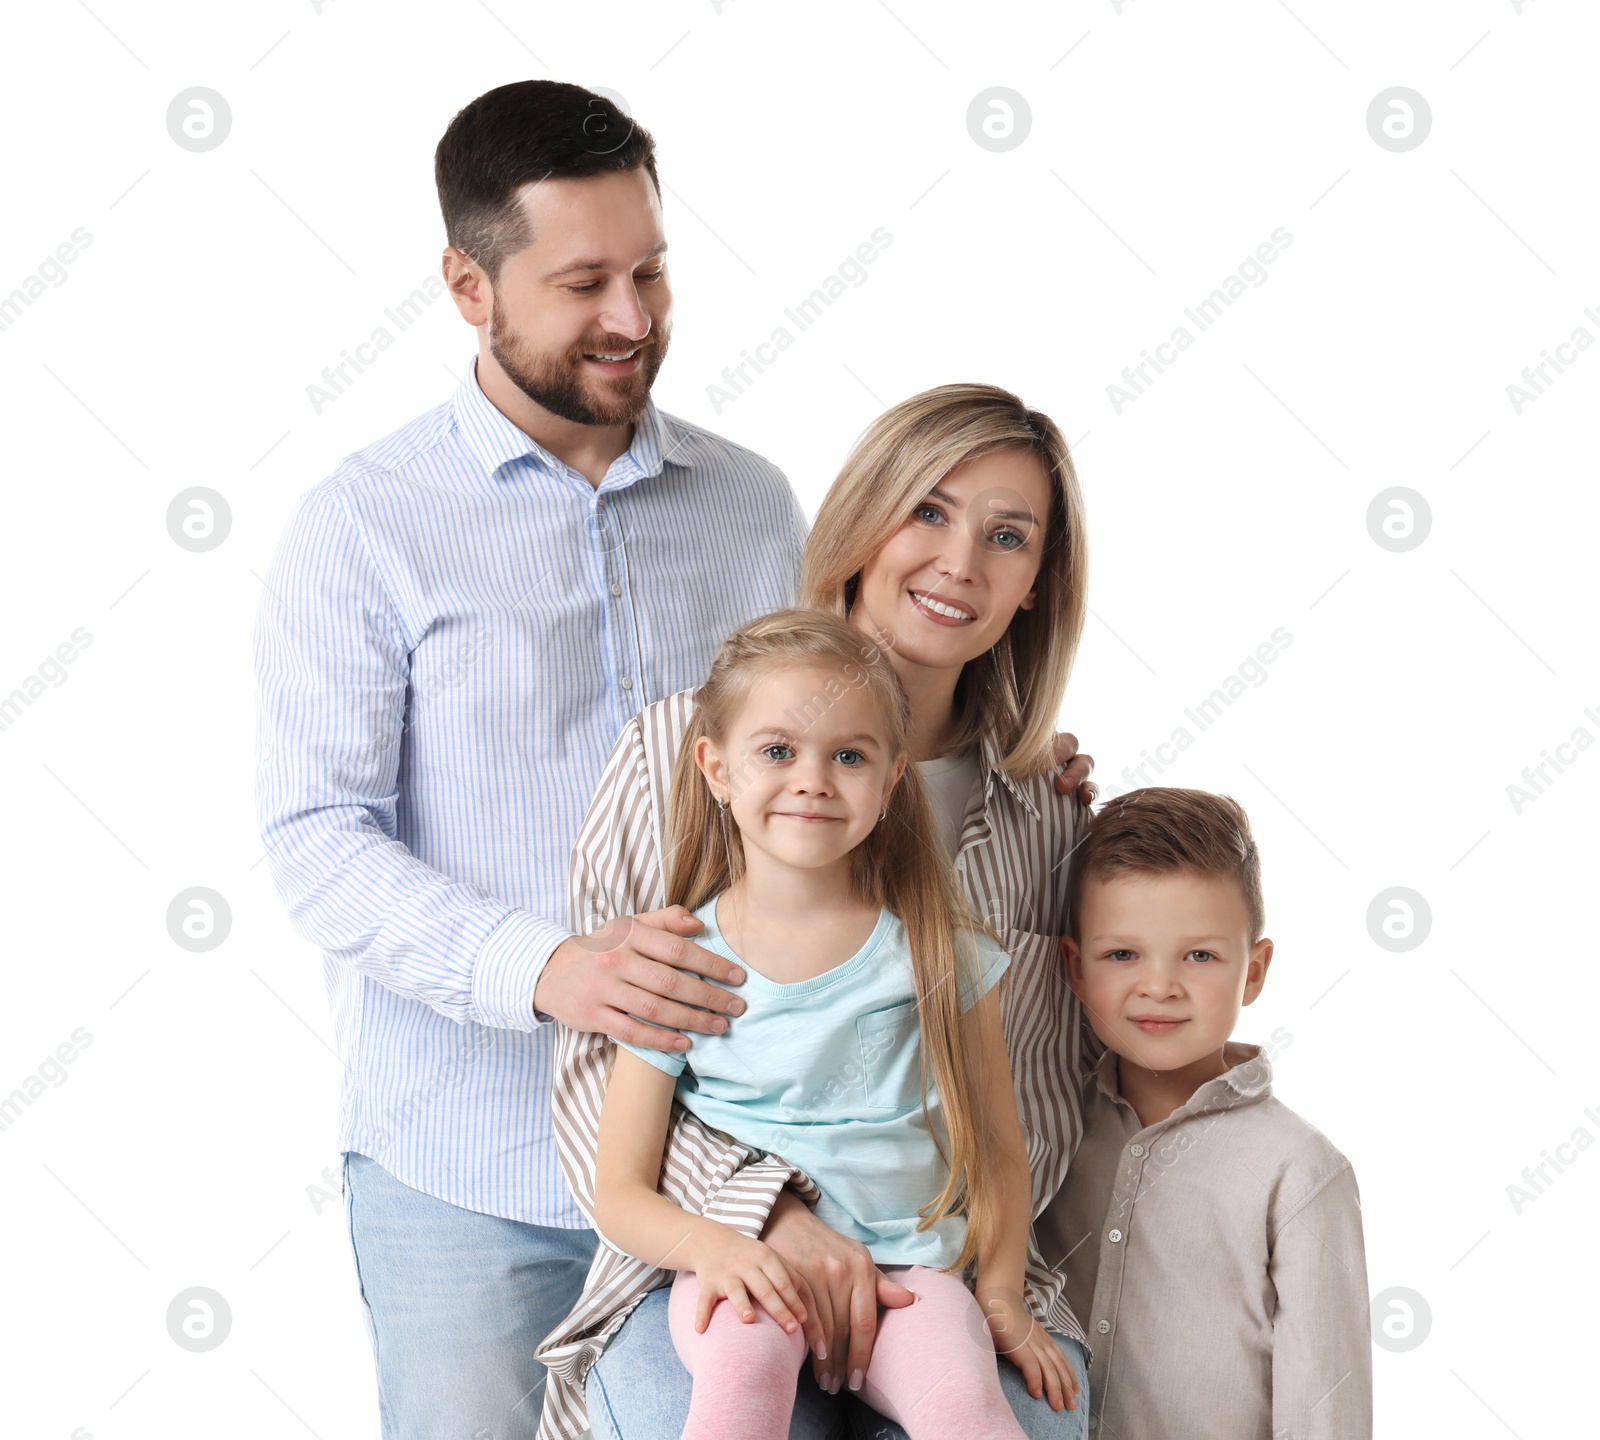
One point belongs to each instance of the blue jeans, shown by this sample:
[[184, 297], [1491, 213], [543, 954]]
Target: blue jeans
[[639, 1390], [455, 1303]]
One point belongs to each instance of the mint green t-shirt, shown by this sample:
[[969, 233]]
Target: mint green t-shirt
[[827, 1073]]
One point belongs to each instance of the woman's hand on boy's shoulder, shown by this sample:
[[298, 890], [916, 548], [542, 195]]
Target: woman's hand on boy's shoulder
[[1073, 777]]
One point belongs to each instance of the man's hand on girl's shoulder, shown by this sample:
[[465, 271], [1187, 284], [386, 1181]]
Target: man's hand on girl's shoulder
[[636, 969]]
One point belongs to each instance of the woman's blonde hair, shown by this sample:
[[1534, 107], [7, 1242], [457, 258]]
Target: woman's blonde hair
[[901, 866], [1015, 689]]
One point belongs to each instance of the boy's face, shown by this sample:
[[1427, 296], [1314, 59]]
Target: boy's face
[[1163, 964]]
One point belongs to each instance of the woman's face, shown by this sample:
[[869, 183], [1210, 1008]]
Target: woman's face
[[943, 588]]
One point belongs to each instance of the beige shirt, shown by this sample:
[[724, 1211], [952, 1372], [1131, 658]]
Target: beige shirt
[[1217, 1259], [1012, 862]]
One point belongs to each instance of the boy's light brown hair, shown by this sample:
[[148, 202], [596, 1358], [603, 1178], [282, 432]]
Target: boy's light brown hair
[[1162, 830]]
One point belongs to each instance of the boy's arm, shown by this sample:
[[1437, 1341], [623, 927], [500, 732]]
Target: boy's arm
[[1321, 1337]]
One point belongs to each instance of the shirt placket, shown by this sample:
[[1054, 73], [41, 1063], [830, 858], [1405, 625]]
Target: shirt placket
[[605, 536], [1114, 1248]]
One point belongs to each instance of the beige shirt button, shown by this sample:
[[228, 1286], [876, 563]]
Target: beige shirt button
[[1103, 1326], [1136, 1150], [1114, 1236]]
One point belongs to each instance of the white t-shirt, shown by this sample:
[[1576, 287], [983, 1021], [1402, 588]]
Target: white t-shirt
[[950, 779]]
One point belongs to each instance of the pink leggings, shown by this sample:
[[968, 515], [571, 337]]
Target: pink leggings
[[933, 1369]]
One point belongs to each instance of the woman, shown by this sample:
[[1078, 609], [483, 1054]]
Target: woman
[[954, 540]]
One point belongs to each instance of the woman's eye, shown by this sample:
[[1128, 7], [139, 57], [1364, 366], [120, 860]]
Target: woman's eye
[[767, 750], [850, 757], [1009, 539], [928, 514]]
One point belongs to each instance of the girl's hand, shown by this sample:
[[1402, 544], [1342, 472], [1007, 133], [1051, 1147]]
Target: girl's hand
[[1028, 1346], [736, 1268]]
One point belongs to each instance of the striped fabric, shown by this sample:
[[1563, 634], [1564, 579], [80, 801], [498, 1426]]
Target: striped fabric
[[454, 630], [1012, 860]]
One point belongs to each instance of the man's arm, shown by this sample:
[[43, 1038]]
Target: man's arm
[[332, 665], [1321, 1335]]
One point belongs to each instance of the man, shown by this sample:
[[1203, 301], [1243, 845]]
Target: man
[[457, 624]]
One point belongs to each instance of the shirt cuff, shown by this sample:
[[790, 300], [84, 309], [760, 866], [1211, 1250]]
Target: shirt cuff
[[508, 969]]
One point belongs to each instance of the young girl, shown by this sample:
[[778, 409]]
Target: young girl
[[871, 1053]]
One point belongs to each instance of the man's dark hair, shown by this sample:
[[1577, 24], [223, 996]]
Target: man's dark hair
[[527, 131], [1161, 831]]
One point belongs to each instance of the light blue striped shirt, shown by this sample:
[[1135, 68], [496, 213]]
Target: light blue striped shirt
[[455, 629]]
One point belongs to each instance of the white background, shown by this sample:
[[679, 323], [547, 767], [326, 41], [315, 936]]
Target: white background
[[1229, 499]]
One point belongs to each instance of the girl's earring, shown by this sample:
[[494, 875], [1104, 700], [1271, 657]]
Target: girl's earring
[[721, 808], [883, 814]]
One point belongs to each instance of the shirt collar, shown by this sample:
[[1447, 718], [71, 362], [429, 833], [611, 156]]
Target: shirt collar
[[497, 442], [1248, 1077], [992, 755]]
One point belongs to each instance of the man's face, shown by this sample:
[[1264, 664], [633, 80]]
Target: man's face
[[581, 318]]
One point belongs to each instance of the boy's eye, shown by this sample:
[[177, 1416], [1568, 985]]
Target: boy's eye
[[850, 757], [1203, 954], [766, 751]]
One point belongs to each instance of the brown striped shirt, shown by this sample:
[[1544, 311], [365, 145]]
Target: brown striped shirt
[[1011, 859]]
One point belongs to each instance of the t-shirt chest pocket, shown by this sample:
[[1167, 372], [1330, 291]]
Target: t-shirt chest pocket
[[891, 1057]]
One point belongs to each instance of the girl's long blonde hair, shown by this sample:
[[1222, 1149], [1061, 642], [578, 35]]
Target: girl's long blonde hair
[[901, 866], [1015, 689]]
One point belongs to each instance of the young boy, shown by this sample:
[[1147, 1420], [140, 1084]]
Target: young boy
[[1210, 1237]]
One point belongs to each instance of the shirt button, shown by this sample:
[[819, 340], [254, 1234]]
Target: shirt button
[[627, 682], [616, 589], [1136, 1150], [1114, 1236], [1103, 1326]]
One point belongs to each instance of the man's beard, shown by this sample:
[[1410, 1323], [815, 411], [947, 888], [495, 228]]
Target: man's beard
[[557, 382]]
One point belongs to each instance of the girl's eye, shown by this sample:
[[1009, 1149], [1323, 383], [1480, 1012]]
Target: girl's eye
[[854, 757], [767, 750], [1115, 954]]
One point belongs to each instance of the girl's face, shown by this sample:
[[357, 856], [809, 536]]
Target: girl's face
[[805, 767], [946, 585]]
